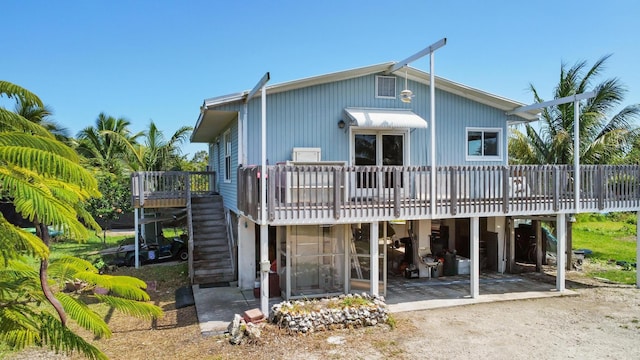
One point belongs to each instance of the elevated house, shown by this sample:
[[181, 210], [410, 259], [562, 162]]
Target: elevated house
[[362, 185]]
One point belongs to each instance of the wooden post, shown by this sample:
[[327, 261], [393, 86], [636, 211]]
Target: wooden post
[[454, 191], [505, 189], [337, 192], [190, 229]]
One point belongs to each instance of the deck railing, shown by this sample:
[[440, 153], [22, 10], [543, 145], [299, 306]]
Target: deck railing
[[330, 193], [169, 188]]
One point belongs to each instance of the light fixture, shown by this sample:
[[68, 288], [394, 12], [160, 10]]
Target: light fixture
[[341, 124], [406, 94]]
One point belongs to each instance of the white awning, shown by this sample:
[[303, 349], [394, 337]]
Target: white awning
[[384, 118]]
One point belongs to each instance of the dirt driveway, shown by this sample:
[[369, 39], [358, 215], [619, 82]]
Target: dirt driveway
[[602, 322]]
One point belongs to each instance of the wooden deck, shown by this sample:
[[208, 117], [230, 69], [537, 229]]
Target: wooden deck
[[343, 194], [326, 194], [162, 189]]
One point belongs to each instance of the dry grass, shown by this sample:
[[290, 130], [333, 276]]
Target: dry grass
[[605, 317]]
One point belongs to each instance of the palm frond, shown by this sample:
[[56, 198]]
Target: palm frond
[[138, 309], [84, 316], [10, 121], [15, 241], [23, 95], [59, 338]]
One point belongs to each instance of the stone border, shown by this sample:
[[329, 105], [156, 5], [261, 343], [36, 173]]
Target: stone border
[[328, 314]]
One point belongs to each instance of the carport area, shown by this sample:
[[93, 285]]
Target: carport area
[[216, 306]]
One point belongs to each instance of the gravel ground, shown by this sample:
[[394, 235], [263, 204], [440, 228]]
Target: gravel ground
[[602, 322]]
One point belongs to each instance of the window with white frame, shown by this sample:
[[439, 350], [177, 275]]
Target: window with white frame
[[386, 87], [227, 156], [484, 144]]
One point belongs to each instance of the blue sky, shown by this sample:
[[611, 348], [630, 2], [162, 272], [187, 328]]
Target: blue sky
[[158, 60]]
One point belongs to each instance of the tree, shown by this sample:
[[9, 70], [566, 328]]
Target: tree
[[44, 180], [42, 115], [157, 153], [603, 139], [198, 162], [108, 143]]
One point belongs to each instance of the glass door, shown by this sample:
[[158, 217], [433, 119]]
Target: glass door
[[371, 150], [360, 258]]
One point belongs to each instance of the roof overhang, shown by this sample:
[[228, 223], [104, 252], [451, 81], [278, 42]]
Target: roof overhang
[[210, 124], [384, 118]]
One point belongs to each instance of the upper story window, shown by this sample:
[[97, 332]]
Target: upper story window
[[386, 87], [484, 144], [227, 156]]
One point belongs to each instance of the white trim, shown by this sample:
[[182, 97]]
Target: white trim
[[395, 87], [500, 155]]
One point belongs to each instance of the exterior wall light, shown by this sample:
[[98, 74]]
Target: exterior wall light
[[341, 124]]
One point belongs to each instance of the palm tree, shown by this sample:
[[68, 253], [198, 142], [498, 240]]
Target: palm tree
[[603, 139], [108, 143], [42, 115], [157, 153], [44, 180]]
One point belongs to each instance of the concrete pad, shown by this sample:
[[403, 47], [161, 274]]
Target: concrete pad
[[440, 303], [216, 307]]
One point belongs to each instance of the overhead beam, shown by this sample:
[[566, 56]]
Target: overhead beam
[[426, 51], [562, 100], [258, 86]]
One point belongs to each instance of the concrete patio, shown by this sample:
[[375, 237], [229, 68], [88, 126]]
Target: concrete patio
[[216, 306]]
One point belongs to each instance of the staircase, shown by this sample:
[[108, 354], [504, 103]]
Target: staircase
[[211, 254]]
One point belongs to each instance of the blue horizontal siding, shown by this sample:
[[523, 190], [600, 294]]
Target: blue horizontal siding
[[309, 117]]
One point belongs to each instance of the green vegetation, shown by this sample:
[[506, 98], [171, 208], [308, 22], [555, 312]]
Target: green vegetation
[[44, 298], [606, 138], [612, 238]]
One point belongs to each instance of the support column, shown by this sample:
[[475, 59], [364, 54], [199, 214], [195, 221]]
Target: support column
[[569, 243], [561, 225], [474, 251], [246, 253], [637, 250], [497, 225], [374, 261], [265, 265], [423, 231], [537, 225], [512, 246], [136, 241]]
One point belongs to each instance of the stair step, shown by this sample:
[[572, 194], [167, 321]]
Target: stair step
[[211, 256], [212, 271], [212, 279]]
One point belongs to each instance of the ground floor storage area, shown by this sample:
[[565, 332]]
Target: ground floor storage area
[[313, 261]]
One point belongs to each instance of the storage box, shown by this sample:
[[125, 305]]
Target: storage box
[[464, 265]]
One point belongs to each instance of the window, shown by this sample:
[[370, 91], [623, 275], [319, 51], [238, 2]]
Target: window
[[227, 156], [386, 87], [378, 149], [484, 144]]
